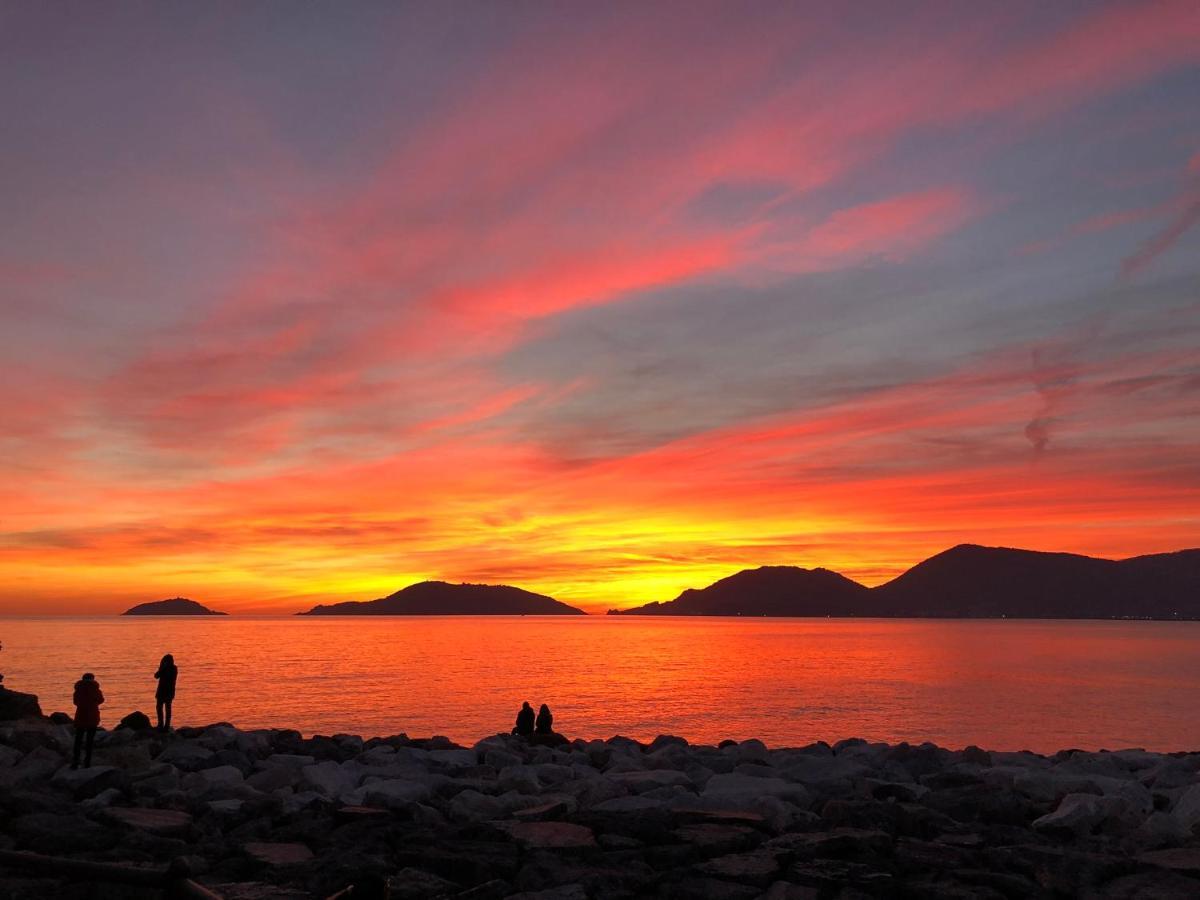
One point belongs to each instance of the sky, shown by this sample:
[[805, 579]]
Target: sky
[[303, 303]]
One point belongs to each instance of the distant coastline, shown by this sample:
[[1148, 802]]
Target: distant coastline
[[967, 581]]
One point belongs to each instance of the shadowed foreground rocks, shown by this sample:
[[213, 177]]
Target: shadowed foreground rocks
[[269, 814]]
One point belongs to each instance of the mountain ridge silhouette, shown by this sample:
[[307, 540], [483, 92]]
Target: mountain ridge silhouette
[[965, 581]]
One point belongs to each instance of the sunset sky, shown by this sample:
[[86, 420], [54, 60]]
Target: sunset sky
[[304, 302]]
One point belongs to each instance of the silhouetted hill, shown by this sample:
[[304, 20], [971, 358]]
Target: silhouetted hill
[[967, 581], [177, 606], [767, 591], [437, 598], [983, 582]]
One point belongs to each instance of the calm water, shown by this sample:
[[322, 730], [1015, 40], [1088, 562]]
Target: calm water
[[1002, 685]]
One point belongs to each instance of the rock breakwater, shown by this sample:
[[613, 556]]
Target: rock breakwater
[[271, 814]]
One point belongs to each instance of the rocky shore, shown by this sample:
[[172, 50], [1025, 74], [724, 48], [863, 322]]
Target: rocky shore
[[271, 814]]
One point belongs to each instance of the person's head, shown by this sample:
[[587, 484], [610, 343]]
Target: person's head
[[526, 705], [88, 676], [545, 710], [167, 662]]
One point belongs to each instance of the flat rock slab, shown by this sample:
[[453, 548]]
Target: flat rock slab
[[550, 835], [278, 854], [164, 822], [727, 816], [1181, 859]]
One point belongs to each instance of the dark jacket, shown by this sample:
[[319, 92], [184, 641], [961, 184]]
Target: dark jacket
[[88, 698], [524, 721], [167, 677], [545, 721]]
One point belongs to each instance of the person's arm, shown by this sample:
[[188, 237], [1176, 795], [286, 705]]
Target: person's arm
[[99, 696]]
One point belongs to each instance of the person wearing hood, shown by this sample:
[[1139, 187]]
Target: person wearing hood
[[88, 698], [524, 726], [164, 694], [545, 721]]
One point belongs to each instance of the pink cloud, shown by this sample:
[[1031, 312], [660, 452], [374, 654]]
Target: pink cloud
[[889, 229]]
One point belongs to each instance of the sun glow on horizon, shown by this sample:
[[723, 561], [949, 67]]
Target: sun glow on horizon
[[555, 300]]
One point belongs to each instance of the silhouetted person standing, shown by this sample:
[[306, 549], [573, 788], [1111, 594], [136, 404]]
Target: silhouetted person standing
[[545, 721], [164, 695], [87, 716], [524, 725]]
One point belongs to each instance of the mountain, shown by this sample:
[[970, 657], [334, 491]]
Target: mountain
[[178, 606], [437, 598], [767, 591], [967, 581], [984, 582]]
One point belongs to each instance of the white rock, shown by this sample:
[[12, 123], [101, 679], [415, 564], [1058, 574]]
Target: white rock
[[330, 778], [294, 760], [301, 800], [472, 806], [1078, 813], [396, 793], [274, 777], [185, 755], [640, 782], [824, 770], [1187, 807], [1050, 786], [103, 799], [1162, 829], [522, 779], [219, 776], [500, 758], [460, 758]]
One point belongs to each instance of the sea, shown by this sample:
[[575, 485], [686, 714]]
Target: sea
[[999, 684]]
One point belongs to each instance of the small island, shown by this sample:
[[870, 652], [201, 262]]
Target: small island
[[438, 598], [176, 606]]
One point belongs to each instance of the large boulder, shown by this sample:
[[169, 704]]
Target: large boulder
[[747, 788], [396, 793], [639, 782], [82, 784], [1076, 814], [1187, 807], [15, 705], [330, 778], [135, 721]]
